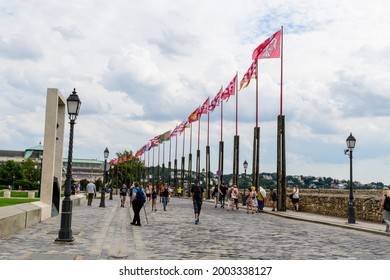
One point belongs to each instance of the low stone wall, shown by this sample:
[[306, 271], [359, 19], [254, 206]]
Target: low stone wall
[[18, 217], [335, 203]]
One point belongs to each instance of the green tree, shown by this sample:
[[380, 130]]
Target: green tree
[[10, 172], [31, 171]]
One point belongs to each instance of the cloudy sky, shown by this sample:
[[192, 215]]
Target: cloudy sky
[[141, 67]]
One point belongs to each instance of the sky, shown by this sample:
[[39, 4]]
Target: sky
[[142, 67]]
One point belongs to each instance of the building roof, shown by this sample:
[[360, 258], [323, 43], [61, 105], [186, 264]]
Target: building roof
[[89, 161], [8, 153], [37, 149]]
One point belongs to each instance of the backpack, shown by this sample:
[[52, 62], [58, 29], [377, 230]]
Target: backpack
[[139, 196], [274, 197], [386, 205]]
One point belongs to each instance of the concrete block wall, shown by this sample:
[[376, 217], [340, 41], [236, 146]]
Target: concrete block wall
[[21, 216], [335, 203]]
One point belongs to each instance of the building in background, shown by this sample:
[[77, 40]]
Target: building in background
[[90, 169]]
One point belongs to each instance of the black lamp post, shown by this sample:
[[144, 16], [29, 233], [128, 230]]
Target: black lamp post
[[65, 233], [207, 187], [111, 186], [351, 141], [243, 193], [103, 191]]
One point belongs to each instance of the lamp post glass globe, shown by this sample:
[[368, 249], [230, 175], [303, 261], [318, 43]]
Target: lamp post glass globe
[[245, 165], [351, 142], [73, 105]]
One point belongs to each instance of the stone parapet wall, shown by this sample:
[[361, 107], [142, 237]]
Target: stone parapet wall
[[335, 203]]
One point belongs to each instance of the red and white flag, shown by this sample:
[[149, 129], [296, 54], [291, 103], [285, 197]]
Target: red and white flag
[[215, 102], [251, 73], [230, 89], [204, 109], [270, 48]]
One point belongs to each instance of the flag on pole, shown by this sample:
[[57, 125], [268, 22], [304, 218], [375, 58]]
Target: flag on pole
[[165, 136], [195, 115], [251, 73], [153, 142], [204, 109], [174, 132], [215, 102], [230, 89], [140, 151], [182, 126], [270, 48], [113, 162]]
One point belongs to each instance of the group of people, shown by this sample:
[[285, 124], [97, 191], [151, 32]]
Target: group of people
[[254, 200]]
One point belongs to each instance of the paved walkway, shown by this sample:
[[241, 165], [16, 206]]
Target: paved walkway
[[106, 233]]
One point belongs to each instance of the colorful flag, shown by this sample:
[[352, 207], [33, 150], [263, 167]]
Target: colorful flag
[[205, 107], [182, 126], [251, 73], [270, 48], [215, 102], [195, 115], [174, 132], [165, 136], [153, 142], [230, 89], [141, 151]]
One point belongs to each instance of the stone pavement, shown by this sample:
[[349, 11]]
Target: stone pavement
[[106, 233]]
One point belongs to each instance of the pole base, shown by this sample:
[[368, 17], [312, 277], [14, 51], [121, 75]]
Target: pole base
[[65, 242]]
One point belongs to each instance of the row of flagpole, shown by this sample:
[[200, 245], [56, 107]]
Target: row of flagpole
[[272, 47]]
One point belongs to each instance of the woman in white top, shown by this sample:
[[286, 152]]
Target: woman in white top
[[295, 198], [386, 213]]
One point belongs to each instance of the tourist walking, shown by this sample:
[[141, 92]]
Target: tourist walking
[[165, 196], [154, 198], [214, 194], [235, 194], [91, 190], [138, 199], [260, 200], [179, 191], [295, 198], [222, 195], [123, 193], [250, 206], [273, 198], [160, 191], [197, 199], [148, 191], [385, 207]]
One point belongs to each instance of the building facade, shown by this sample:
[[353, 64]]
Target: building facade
[[89, 169]]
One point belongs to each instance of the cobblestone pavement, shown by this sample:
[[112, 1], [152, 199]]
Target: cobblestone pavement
[[106, 233]]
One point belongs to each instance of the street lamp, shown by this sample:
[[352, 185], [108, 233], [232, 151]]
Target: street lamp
[[112, 176], [65, 233], [207, 187], [243, 193], [103, 191], [351, 141]]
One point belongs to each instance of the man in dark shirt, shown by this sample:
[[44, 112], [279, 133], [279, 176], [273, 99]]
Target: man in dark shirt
[[222, 194], [197, 199]]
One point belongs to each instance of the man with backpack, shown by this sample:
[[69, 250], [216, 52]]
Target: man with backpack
[[138, 199], [197, 199]]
